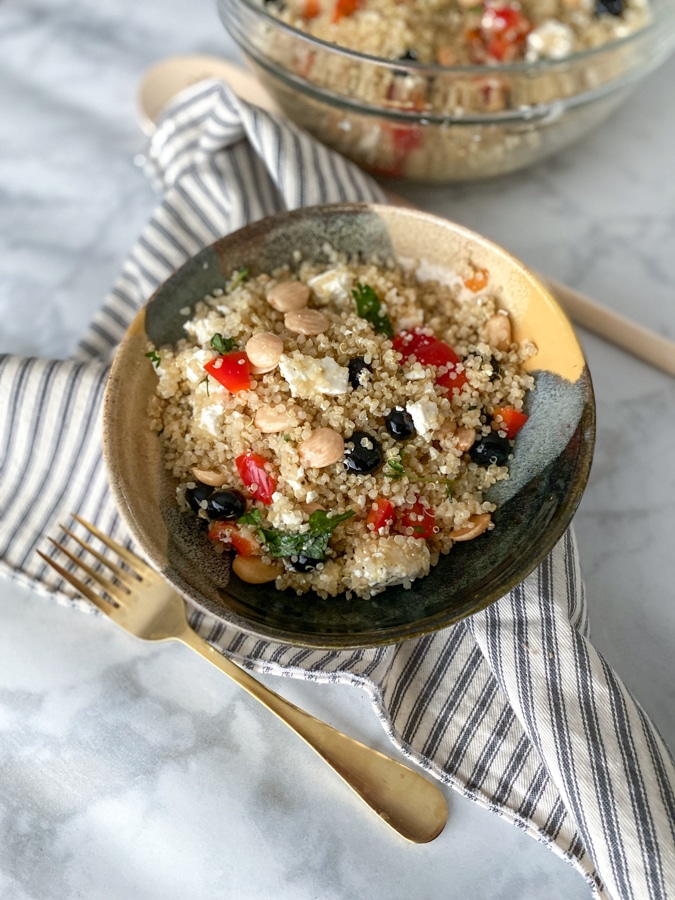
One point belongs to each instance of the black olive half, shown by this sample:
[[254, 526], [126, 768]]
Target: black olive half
[[399, 423], [363, 453], [490, 450]]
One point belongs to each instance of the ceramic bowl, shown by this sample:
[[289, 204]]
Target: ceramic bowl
[[548, 473], [404, 119]]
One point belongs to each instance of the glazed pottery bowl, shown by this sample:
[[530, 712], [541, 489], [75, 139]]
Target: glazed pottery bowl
[[404, 119], [548, 472]]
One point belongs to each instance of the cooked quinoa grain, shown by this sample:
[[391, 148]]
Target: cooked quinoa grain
[[355, 475]]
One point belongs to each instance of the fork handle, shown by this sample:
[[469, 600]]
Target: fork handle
[[406, 801]]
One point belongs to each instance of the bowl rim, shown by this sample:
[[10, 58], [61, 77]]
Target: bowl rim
[[554, 531], [663, 15]]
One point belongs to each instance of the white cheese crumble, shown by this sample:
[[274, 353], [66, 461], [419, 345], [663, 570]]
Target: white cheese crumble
[[425, 416], [308, 376], [550, 40], [335, 284], [194, 369], [282, 514], [210, 419]]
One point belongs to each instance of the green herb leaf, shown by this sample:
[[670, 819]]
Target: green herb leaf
[[154, 356], [368, 307], [252, 517], [313, 543], [205, 380], [239, 276], [396, 469], [221, 344]]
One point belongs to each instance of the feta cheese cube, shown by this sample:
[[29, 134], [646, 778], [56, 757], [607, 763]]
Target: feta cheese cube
[[308, 377], [425, 416]]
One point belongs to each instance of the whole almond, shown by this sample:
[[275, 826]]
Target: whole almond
[[322, 448], [288, 295], [270, 420], [306, 321], [264, 351], [214, 479], [474, 526], [254, 569]]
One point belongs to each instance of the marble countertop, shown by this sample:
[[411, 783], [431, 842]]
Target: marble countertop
[[110, 749]]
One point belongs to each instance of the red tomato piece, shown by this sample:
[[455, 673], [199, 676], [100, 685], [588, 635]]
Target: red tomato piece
[[311, 10], [431, 351], [477, 280], [420, 519], [403, 140], [254, 472], [509, 420], [239, 537], [503, 31], [381, 515], [232, 370], [345, 8]]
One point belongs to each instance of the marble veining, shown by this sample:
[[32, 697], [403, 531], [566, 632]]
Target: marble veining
[[136, 771]]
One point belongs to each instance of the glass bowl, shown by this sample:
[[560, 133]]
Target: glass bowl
[[403, 119]]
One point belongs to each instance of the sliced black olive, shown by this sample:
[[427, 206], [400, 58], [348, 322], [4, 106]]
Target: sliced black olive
[[225, 505], [399, 423], [357, 366], [302, 563], [363, 453], [496, 368], [196, 495], [613, 7], [490, 450]]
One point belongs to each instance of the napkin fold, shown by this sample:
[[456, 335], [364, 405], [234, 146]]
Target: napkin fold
[[513, 706]]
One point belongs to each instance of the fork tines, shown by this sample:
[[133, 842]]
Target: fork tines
[[115, 591]]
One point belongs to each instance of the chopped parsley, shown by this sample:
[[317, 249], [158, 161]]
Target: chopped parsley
[[239, 276], [205, 380], [312, 543], [368, 307], [221, 344], [154, 356], [395, 468]]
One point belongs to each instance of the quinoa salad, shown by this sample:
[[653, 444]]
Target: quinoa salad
[[465, 32], [335, 426]]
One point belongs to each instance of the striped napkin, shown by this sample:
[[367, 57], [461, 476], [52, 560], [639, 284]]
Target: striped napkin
[[513, 707]]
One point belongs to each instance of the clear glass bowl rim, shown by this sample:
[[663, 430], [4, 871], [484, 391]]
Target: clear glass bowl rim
[[663, 17]]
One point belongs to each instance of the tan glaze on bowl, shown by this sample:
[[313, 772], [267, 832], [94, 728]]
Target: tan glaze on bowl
[[548, 473]]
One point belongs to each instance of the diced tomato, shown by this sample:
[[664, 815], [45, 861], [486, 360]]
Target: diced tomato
[[404, 139], [240, 537], [232, 370], [509, 420], [477, 280], [254, 471], [311, 9], [431, 351], [345, 8], [504, 30], [420, 518], [381, 515]]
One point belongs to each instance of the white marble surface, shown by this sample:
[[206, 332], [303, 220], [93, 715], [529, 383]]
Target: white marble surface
[[129, 771]]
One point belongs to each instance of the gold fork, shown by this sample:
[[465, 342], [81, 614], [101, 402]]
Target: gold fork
[[142, 603]]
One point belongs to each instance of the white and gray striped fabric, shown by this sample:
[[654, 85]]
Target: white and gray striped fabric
[[512, 707]]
